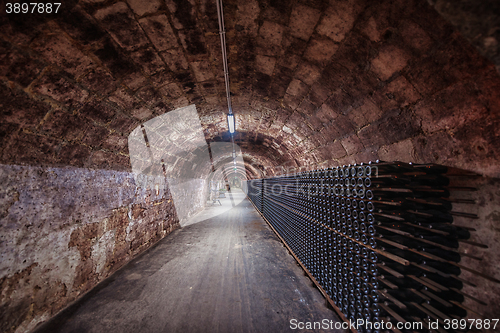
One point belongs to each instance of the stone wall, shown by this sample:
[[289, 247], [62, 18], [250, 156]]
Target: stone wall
[[63, 230], [313, 81], [487, 232], [478, 21]]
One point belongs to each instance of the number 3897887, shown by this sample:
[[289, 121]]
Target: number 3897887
[[32, 7]]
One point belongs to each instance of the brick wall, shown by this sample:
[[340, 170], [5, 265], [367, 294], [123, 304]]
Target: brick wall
[[313, 82], [63, 230]]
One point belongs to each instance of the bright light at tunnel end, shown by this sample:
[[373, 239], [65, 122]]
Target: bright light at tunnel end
[[158, 159], [230, 122]]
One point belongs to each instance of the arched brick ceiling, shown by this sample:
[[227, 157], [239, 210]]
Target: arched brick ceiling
[[313, 82], [228, 172]]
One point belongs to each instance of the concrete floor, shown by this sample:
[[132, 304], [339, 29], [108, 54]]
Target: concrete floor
[[232, 198], [227, 273]]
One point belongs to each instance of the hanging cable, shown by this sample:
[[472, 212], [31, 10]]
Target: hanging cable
[[222, 33], [230, 117]]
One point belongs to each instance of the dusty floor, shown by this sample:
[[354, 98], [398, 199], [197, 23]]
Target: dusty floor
[[225, 274]]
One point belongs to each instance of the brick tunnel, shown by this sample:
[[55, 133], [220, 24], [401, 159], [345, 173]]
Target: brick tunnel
[[114, 136]]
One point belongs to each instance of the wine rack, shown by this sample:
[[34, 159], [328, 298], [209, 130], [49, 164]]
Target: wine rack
[[377, 238]]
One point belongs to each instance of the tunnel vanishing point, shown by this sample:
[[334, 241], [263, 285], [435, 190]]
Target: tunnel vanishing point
[[103, 98]]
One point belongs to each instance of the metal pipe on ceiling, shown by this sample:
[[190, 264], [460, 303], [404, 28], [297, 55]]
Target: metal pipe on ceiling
[[222, 33]]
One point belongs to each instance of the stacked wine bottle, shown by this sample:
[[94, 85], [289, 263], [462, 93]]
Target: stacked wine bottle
[[379, 238]]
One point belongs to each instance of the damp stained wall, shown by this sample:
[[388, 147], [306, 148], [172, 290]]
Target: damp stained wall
[[63, 230]]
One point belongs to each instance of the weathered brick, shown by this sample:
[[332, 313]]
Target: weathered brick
[[461, 59], [115, 142], [435, 147], [319, 94], [124, 99], [149, 95], [302, 21], [354, 53], [326, 114], [113, 58], [271, 34], [162, 77], [372, 136], [171, 91], [98, 111], [30, 149], [282, 79], [100, 80], [428, 77], [488, 85], [80, 25], [141, 8], [17, 107], [399, 151], [7, 130], [334, 75], [415, 36], [289, 61], [121, 25], [20, 67], [352, 144], [123, 124], [297, 88], [73, 154], [365, 114], [336, 150], [450, 108], [193, 42], [265, 64], [370, 27], [160, 32], [390, 60], [57, 49], [399, 125], [398, 93], [307, 108], [183, 17], [65, 125], [362, 87], [61, 89], [365, 156], [106, 160], [148, 60], [340, 101], [320, 139], [307, 73], [320, 51], [480, 142], [141, 113], [278, 12], [315, 123], [202, 71], [339, 19], [95, 135], [293, 45], [343, 125], [430, 20]]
